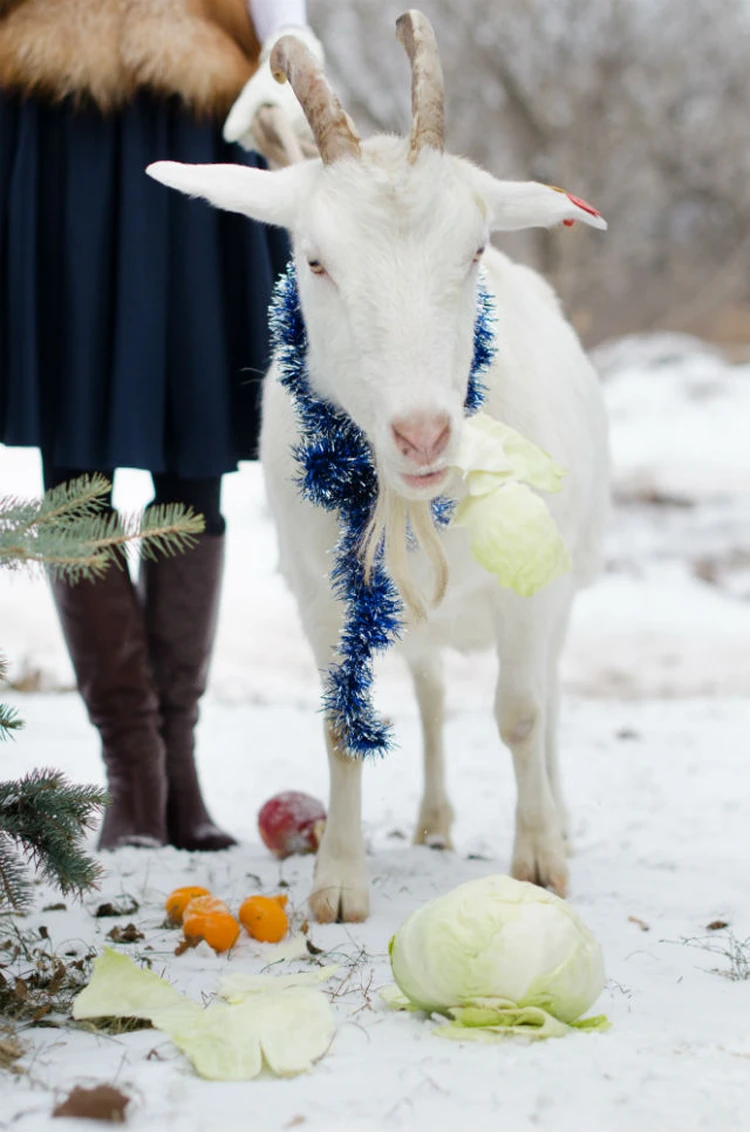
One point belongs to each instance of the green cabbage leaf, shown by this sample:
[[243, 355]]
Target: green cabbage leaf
[[512, 532], [283, 1023]]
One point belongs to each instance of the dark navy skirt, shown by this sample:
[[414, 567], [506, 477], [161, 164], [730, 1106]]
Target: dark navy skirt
[[133, 321]]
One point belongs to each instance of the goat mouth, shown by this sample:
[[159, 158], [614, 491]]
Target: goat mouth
[[425, 480]]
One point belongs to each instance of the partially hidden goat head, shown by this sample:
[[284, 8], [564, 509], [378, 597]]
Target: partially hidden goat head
[[388, 235]]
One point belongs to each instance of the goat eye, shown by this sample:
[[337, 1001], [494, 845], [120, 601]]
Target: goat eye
[[316, 267]]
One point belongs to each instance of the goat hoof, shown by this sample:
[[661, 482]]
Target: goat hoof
[[438, 843], [339, 898], [434, 827], [541, 861]]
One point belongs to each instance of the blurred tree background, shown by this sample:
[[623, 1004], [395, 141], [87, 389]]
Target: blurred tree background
[[640, 106]]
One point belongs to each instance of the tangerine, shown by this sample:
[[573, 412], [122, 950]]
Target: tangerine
[[207, 917], [264, 917], [179, 898]]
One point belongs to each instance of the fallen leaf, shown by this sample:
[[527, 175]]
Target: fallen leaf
[[186, 944], [716, 925], [103, 1102], [126, 907], [640, 923], [58, 977], [128, 934]]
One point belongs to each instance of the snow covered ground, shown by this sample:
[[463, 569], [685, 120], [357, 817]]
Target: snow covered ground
[[655, 742]]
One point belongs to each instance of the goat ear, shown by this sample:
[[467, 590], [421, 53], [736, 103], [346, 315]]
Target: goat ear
[[269, 197], [528, 204]]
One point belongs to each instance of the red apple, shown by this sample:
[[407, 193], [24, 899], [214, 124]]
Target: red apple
[[292, 823]]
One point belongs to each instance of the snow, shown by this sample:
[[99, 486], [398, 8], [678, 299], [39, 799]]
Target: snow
[[654, 735]]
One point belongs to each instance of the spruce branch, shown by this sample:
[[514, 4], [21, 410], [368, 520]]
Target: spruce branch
[[71, 501], [9, 722], [167, 528], [46, 818], [64, 504], [16, 513], [15, 885], [72, 532]]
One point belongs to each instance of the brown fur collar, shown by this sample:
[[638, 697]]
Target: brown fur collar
[[203, 50]]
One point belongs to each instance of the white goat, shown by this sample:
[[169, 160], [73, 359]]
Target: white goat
[[387, 236]]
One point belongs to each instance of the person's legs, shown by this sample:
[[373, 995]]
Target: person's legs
[[180, 598], [104, 630]]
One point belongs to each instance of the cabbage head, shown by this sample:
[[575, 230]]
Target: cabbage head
[[498, 955]]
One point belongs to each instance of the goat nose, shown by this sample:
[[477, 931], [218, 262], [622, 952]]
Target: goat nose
[[421, 437]]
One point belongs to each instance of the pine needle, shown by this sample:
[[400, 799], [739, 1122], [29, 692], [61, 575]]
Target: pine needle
[[9, 722]]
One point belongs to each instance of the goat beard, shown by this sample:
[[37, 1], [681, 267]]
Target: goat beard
[[396, 524]]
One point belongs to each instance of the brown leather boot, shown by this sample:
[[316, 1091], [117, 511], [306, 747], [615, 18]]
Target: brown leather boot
[[102, 623], [180, 598]]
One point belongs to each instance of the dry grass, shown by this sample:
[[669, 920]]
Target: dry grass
[[735, 951], [37, 986], [11, 1052]]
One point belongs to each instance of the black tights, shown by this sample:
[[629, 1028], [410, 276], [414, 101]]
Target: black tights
[[203, 495]]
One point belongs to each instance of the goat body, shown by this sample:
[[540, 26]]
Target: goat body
[[542, 384], [388, 238]]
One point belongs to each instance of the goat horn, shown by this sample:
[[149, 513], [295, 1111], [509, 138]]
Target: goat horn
[[415, 32], [333, 130]]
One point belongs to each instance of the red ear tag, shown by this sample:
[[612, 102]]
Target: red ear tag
[[568, 223], [582, 204]]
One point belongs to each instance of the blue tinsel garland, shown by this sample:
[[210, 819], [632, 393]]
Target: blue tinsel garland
[[337, 473]]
